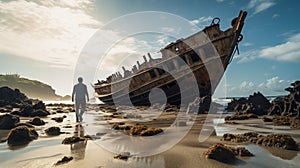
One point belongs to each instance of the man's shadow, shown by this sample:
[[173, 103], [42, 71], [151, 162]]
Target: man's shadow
[[78, 149]]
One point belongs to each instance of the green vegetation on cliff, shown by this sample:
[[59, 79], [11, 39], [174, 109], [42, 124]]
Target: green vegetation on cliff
[[32, 88]]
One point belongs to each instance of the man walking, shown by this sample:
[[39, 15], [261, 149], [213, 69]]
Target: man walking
[[80, 92]]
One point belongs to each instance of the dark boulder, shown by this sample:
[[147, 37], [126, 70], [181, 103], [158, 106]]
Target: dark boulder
[[8, 121], [122, 155], [234, 102], [37, 121], [53, 131], [9, 96], [73, 139], [220, 153], [255, 104], [40, 106], [27, 110], [65, 159], [58, 119], [39, 113], [21, 135], [288, 105]]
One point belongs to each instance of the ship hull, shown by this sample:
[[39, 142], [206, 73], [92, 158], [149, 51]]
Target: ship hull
[[207, 60]]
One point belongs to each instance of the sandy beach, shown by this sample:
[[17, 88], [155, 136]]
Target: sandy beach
[[47, 150]]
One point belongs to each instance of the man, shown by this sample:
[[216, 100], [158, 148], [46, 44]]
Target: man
[[80, 92]]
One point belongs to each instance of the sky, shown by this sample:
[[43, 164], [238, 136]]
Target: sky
[[45, 39]]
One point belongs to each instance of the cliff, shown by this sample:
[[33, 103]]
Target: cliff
[[32, 88]]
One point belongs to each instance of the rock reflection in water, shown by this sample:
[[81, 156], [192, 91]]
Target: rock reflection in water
[[78, 149], [282, 153]]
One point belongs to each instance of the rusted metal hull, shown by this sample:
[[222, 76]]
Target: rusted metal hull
[[206, 58]]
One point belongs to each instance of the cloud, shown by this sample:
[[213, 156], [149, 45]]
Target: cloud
[[202, 21], [247, 56], [274, 16], [247, 44], [288, 51], [272, 86], [47, 30], [260, 5]]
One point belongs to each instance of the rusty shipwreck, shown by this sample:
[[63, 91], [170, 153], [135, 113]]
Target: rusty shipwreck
[[206, 58]]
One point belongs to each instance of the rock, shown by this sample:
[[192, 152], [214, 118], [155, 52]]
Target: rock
[[234, 102], [58, 119], [16, 113], [137, 129], [281, 120], [273, 140], [241, 151], [21, 135], [255, 104], [52, 131], [8, 121], [37, 121], [39, 113], [122, 156], [151, 132], [40, 106], [278, 141], [72, 140], [24, 124], [120, 126], [288, 105], [9, 96], [220, 153], [27, 110], [65, 159], [266, 119], [241, 117]]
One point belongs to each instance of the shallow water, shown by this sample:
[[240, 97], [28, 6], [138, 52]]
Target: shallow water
[[45, 151]]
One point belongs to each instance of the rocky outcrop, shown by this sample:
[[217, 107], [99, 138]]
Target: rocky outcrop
[[11, 97], [274, 140], [288, 105], [73, 139], [8, 121], [241, 117], [37, 121], [21, 135], [226, 154], [53, 131], [29, 107], [255, 104], [144, 130], [32, 88]]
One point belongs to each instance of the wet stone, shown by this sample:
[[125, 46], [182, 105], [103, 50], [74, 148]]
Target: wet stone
[[21, 135], [65, 159], [53, 131], [8, 121], [73, 139], [37, 121]]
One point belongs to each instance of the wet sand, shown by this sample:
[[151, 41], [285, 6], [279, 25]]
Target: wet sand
[[47, 150]]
